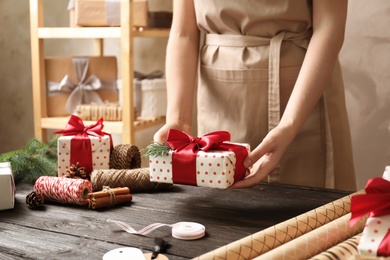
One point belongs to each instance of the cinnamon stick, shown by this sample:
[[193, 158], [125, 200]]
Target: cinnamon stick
[[107, 201], [109, 197], [104, 193]]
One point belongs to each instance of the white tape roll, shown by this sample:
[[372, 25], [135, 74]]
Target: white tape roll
[[188, 230]]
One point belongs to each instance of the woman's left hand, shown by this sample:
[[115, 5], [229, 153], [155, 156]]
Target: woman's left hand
[[265, 157]]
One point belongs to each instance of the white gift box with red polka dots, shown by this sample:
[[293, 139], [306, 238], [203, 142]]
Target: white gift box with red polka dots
[[100, 147], [375, 230], [214, 169]]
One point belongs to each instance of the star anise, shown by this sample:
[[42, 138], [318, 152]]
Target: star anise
[[76, 172]]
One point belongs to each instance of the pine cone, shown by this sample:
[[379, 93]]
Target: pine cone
[[76, 172], [34, 199]]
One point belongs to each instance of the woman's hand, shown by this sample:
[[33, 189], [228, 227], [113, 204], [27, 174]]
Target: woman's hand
[[161, 135], [265, 157]]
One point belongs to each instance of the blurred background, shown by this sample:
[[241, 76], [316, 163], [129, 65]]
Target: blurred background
[[365, 60]]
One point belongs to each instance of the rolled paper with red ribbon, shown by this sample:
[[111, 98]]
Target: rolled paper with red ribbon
[[81, 147], [211, 160], [375, 240], [63, 190]]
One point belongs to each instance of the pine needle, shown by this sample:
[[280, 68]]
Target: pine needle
[[156, 149], [37, 159]]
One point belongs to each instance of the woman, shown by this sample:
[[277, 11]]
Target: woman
[[269, 74]]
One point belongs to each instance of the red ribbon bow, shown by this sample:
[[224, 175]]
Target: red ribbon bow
[[81, 150], [375, 202], [179, 140], [186, 147]]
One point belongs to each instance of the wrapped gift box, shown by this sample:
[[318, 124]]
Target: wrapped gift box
[[105, 13], [7, 187], [211, 168], [87, 148], [72, 81], [375, 239]]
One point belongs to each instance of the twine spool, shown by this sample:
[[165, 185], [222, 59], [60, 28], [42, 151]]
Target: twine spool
[[63, 190], [125, 156], [137, 180]]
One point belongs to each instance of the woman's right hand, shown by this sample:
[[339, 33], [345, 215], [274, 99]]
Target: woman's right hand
[[161, 135]]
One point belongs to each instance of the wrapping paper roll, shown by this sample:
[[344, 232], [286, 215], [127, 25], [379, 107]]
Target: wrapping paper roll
[[63, 190], [316, 241], [344, 250], [272, 237]]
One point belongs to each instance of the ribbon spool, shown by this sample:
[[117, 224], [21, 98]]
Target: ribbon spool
[[188, 230], [180, 230]]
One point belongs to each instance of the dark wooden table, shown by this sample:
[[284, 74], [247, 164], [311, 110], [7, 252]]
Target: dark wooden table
[[59, 231]]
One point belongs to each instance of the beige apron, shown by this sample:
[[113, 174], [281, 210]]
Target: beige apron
[[249, 62]]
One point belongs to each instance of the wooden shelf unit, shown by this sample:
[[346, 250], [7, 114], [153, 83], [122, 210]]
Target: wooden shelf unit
[[126, 33]]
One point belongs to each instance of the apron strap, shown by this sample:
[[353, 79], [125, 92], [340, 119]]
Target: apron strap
[[274, 81]]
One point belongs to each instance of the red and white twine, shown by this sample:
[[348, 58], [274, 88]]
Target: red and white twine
[[63, 190]]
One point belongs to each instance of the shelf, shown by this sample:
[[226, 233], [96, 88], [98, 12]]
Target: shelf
[[109, 126], [96, 32], [125, 33]]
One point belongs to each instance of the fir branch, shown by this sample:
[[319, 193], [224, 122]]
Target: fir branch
[[156, 149], [36, 160]]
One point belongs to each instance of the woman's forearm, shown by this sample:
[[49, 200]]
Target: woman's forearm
[[328, 36], [181, 63]]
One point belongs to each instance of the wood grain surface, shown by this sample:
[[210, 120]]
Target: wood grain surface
[[58, 231]]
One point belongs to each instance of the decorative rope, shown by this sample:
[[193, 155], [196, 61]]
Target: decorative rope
[[137, 180], [63, 190], [125, 156]]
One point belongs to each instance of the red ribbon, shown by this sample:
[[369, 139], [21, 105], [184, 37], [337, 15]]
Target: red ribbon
[[186, 147], [81, 150], [375, 202], [384, 246]]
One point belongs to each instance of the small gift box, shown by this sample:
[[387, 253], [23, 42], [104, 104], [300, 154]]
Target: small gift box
[[375, 239], [85, 146], [105, 12], [7, 186], [209, 161], [72, 81]]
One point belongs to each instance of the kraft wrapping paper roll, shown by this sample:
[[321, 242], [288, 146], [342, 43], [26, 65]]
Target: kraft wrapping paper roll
[[316, 241], [63, 190], [272, 237], [344, 250]]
